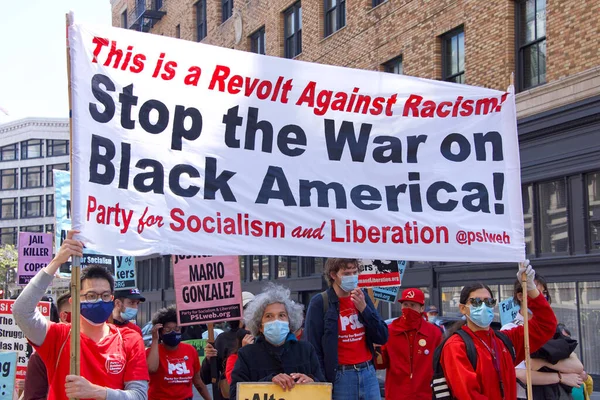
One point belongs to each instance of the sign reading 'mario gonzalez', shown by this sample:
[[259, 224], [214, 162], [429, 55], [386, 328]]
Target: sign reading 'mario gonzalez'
[[207, 289], [184, 148]]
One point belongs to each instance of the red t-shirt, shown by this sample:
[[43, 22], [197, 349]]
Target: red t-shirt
[[176, 368], [117, 359], [352, 344], [129, 325]]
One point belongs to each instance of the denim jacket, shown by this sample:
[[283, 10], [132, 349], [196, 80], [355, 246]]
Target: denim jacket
[[322, 330]]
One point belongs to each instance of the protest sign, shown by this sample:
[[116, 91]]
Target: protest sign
[[125, 277], [11, 337], [35, 252], [381, 273], [272, 391], [207, 289], [508, 311], [62, 212], [199, 345], [389, 293], [185, 148], [8, 371]]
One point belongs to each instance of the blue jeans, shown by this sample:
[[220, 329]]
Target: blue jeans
[[356, 385]]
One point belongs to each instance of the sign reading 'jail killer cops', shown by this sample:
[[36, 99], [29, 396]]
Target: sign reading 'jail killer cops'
[[35, 252], [185, 148]]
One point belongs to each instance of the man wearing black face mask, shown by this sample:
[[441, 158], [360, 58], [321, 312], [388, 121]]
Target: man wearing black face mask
[[173, 366], [113, 365]]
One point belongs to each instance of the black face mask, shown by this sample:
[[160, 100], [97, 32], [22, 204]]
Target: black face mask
[[171, 339]]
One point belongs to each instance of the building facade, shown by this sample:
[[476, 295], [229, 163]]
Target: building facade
[[29, 150], [552, 48]]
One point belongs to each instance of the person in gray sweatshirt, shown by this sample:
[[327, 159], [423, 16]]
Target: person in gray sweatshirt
[[113, 361]]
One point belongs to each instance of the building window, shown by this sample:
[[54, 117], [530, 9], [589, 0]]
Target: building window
[[378, 2], [593, 207], [554, 221], [287, 267], [260, 268], [32, 228], [49, 205], [257, 41], [201, 19], [335, 15], [226, 9], [31, 207], [50, 175], [178, 31], [8, 179], [57, 148], [9, 153], [9, 208], [124, 19], [394, 66], [531, 37], [8, 235], [453, 56], [50, 228], [293, 30], [528, 219], [31, 149], [31, 177]]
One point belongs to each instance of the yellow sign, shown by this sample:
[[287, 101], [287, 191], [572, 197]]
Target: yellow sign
[[271, 391]]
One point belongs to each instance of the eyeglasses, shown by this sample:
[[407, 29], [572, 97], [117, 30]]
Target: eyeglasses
[[478, 301], [167, 330], [92, 297]]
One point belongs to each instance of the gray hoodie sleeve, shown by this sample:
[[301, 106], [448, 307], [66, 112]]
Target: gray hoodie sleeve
[[134, 390], [27, 316]]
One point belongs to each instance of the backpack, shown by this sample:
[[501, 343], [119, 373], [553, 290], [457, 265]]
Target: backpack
[[325, 297], [441, 391]]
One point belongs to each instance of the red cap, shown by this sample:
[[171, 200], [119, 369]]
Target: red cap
[[414, 295]]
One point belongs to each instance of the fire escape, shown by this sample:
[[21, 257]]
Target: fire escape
[[145, 14]]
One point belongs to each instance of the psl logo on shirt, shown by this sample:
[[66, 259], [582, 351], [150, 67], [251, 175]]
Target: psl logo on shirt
[[351, 320], [178, 366], [115, 363]]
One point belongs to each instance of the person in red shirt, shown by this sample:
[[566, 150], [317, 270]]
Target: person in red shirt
[[494, 378], [113, 365], [407, 355], [243, 338], [173, 366], [126, 307]]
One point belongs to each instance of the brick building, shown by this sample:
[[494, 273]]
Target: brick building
[[553, 50]]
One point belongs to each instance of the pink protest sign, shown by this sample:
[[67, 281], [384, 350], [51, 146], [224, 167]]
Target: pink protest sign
[[207, 289], [35, 252]]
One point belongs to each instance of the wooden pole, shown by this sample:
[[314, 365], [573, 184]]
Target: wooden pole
[[213, 361], [75, 260], [526, 325]]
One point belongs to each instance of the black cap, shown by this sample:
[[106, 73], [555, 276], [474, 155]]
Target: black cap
[[133, 294]]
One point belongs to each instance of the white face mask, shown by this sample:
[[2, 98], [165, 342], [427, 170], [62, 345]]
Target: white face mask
[[431, 318]]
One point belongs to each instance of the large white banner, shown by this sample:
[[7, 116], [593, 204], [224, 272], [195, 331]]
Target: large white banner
[[184, 148]]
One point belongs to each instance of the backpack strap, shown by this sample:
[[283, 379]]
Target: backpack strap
[[471, 350], [325, 297], [507, 342]]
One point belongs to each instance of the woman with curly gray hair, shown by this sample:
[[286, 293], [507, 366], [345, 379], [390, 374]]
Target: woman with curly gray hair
[[276, 355]]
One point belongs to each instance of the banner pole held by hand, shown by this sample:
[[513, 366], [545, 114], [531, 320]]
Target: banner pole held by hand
[[213, 361], [75, 260], [526, 326]]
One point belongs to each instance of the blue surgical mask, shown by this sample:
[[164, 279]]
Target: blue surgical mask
[[481, 316], [276, 331], [96, 313], [129, 313], [171, 339], [349, 282]]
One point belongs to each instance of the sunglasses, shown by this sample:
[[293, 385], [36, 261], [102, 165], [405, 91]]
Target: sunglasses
[[478, 301]]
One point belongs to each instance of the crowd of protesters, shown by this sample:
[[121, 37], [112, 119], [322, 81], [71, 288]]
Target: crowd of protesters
[[342, 340]]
